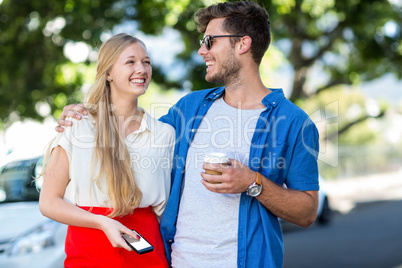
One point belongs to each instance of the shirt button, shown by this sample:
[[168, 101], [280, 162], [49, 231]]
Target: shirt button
[[193, 130], [170, 241], [273, 102]]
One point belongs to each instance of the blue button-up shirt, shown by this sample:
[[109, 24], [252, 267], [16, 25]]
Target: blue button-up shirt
[[284, 149]]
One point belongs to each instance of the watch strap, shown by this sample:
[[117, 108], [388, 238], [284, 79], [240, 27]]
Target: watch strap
[[258, 179]]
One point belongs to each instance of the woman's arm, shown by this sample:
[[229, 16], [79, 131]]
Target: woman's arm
[[52, 204]]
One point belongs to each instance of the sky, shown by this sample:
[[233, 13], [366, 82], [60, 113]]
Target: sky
[[387, 88], [25, 139]]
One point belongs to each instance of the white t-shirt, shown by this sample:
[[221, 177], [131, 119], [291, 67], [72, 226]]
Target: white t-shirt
[[151, 149], [207, 223]]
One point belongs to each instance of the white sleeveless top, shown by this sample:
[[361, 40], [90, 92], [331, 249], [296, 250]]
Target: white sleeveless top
[[151, 149]]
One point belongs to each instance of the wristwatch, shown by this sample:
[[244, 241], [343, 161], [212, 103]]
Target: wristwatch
[[255, 188]]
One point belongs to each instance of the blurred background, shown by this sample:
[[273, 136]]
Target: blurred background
[[340, 61]]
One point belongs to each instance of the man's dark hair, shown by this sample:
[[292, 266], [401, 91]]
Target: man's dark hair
[[241, 18]]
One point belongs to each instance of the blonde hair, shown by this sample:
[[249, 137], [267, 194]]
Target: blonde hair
[[110, 150]]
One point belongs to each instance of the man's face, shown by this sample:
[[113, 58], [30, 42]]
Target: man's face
[[222, 64]]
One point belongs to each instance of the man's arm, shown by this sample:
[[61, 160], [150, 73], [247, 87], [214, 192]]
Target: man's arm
[[72, 110], [294, 206], [75, 111], [298, 207]]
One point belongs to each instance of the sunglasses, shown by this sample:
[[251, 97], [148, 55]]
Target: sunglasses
[[207, 40]]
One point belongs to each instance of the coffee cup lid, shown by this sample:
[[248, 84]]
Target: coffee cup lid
[[216, 158]]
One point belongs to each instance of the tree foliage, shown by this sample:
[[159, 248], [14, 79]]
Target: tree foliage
[[352, 41], [32, 37]]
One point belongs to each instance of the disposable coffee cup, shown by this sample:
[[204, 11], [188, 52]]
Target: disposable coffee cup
[[215, 158]]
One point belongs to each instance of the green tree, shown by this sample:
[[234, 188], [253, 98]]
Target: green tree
[[352, 41], [32, 37]]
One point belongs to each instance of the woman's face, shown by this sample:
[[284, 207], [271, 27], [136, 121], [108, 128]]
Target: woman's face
[[131, 73]]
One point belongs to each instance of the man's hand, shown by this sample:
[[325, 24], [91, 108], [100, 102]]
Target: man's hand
[[294, 206], [72, 110], [235, 177]]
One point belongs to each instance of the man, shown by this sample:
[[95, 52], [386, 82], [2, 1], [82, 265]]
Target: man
[[231, 220]]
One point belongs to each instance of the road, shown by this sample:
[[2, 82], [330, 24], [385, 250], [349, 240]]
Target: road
[[368, 236]]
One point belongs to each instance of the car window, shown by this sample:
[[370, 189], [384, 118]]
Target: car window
[[17, 181]]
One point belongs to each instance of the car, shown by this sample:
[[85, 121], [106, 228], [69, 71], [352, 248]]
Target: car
[[27, 238], [324, 212]]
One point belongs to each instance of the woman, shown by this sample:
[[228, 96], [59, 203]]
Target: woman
[[110, 172]]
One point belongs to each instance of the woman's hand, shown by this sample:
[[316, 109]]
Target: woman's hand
[[114, 231], [72, 110]]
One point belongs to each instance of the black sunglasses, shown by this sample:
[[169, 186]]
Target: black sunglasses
[[207, 40]]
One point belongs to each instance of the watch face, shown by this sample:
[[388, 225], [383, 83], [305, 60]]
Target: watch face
[[254, 190]]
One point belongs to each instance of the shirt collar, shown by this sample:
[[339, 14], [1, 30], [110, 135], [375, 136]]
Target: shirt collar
[[215, 93], [146, 122], [272, 98]]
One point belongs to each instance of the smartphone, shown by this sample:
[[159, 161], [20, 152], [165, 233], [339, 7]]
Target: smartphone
[[140, 246]]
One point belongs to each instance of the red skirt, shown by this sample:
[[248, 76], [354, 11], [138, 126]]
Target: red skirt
[[87, 247]]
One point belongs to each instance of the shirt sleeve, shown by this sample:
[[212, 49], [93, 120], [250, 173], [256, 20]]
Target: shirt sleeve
[[174, 114], [169, 118], [303, 169], [64, 140]]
